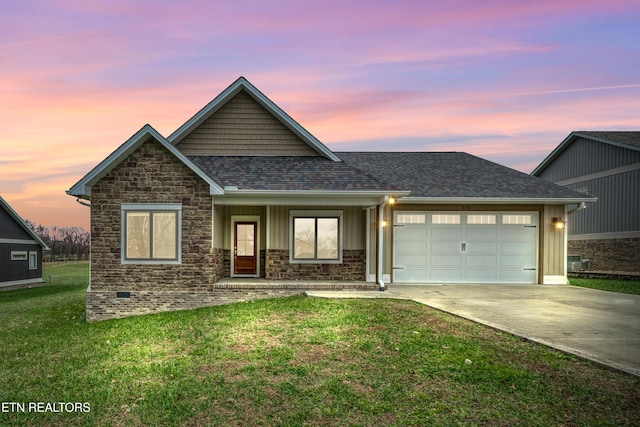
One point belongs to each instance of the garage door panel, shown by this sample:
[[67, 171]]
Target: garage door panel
[[414, 260], [522, 261], [517, 246], [517, 232], [469, 247], [481, 232], [411, 275], [446, 232], [481, 261], [410, 232], [445, 246], [481, 276], [481, 247], [446, 260], [445, 275], [411, 246]]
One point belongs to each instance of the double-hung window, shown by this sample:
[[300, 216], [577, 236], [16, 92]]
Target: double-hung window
[[151, 233], [316, 236]]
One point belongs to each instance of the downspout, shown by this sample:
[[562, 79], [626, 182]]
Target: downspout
[[582, 205], [381, 207]]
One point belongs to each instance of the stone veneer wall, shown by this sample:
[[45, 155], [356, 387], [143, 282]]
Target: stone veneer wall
[[619, 255], [152, 175], [104, 305], [352, 268]]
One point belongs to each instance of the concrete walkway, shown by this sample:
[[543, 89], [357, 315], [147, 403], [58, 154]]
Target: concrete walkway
[[596, 325]]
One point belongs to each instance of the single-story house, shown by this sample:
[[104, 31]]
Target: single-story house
[[242, 202], [20, 251], [607, 166]]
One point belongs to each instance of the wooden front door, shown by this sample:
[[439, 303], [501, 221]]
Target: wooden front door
[[245, 258]]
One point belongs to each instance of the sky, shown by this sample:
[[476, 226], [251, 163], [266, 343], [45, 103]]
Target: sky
[[504, 80]]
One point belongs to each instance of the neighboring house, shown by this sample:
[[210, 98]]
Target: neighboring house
[[607, 166], [241, 202], [20, 251]]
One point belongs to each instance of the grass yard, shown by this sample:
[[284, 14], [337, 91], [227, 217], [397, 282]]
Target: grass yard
[[293, 362], [623, 286]]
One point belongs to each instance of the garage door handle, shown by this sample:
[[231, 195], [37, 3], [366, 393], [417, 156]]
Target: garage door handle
[[529, 269], [464, 247], [398, 268]]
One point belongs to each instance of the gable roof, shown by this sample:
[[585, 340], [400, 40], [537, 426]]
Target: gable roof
[[13, 214], [626, 139], [454, 176], [242, 84], [82, 188]]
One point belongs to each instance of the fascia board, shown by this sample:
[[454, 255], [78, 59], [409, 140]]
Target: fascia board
[[83, 187], [494, 200], [318, 198], [17, 218], [240, 84], [555, 153]]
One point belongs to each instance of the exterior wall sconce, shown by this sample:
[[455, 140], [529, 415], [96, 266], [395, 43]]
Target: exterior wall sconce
[[557, 223]]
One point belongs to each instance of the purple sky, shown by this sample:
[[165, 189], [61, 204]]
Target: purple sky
[[504, 80]]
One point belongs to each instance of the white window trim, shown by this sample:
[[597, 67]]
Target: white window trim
[[33, 266], [150, 207], [19, 256], [316, 214]]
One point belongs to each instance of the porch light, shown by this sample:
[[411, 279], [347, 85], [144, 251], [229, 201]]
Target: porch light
[[392, 200], [557, 223]]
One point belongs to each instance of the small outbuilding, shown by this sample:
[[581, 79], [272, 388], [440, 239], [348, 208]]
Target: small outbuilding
[[20, 251]]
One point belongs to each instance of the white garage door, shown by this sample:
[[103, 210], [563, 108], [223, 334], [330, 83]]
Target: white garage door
[[469, 247]]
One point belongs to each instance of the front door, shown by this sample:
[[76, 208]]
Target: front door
[[245, 260]]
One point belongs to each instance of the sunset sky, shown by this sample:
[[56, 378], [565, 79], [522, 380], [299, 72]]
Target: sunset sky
[[504, 80]]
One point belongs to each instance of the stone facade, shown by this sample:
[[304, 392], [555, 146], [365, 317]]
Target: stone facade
[[152, 175], [104, 305], [352, 268], [615, 255]]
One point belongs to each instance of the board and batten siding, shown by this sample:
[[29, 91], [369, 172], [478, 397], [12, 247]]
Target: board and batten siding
[[243, 127], [554, 256], [616, 210], [584, 157]]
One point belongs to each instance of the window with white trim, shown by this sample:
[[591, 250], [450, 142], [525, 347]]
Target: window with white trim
[[481, 219], [517, 219], [410, 218], [18, 255], [33, 260], [316, 236], [151, 233], [440, 219]]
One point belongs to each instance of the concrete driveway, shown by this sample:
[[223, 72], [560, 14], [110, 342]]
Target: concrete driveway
[[597, 325]]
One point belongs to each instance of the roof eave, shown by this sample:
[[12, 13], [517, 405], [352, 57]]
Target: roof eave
[[307, 197], [496, 200], [13, 214], [82, 188]]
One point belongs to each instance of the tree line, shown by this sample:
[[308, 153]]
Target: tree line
[[66, 243]]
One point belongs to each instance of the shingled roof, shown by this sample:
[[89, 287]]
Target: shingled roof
[[288, 173], [424, 174], [623, 137], [454, 175]]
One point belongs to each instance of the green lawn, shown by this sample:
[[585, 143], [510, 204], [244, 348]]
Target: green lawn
[[623, 286], [294, 361]]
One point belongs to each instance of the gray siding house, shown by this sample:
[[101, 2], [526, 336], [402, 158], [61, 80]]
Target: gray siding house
[[20, 251], [242, 202], [605, 165]]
